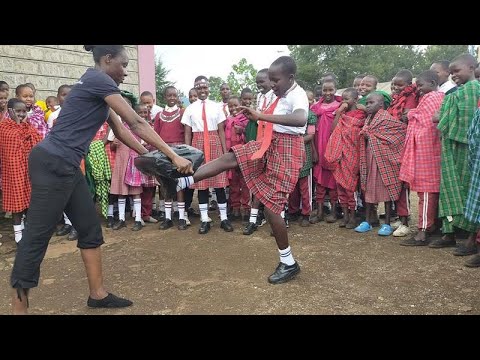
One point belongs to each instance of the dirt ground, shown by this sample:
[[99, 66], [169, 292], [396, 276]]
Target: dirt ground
[[182, 272]]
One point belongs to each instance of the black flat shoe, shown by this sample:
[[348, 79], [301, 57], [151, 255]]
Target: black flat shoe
[[64, 230], [138, 226], [182, 224], [284, 273], [250, 228], [166, 224], [119, 224], [110, 301], [73, 235], [226, 225], [204, 228]]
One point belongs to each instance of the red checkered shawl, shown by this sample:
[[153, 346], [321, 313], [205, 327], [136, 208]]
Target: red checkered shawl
[[421, 158], [343, 149], [16, 142], [386, 138], [407, 99]]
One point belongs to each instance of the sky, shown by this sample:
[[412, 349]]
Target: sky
[[186, 62]]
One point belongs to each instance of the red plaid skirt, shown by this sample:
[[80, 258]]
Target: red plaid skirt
[[216, 151], [272, 178]]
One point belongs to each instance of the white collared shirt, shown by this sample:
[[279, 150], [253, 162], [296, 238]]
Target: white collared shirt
[[295, 99], [193, 115], [269, 96], [447, 85], [155, 110]]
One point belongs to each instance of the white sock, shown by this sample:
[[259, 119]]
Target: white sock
[[110, 210], [161, 204], [184, 182], [17, 229], [253, 215], [181, 210], [67, 220], [168, 210], [203, 212], [22, 224], [223, 211], [137, 205], [121, 209], [286, 256], [282, 214]]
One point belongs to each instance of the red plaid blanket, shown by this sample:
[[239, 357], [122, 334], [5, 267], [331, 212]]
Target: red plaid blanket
[[407, 99], [16, 142], [422, 153], [343, 149], [386, 138]]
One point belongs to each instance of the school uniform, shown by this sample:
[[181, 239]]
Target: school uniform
[[273, 177], [196, 115]]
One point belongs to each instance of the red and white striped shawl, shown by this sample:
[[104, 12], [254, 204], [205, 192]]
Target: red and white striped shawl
[[386, 138], [343, 149], [421, 160]]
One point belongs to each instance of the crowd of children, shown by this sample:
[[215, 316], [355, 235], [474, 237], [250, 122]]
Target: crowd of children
[[359, 149]]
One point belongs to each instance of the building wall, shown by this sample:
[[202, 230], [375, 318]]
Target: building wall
[[49, 66]]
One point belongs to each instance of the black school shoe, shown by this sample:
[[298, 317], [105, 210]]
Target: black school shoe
[[64, 230], [110, 301], [226, 225], [284, 273], [204, 228], [250, 228]]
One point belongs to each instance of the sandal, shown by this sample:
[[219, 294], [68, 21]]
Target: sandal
[[363, 227], [385, 230]]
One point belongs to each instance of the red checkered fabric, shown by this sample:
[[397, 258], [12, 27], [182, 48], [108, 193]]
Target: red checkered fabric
[[421, 160], [272, 178], [407, 99], [16, 142], [216, 151], [102, 132], [386, 138], [343, 149]]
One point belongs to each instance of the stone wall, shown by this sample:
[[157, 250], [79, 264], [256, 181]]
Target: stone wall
[[49, 66]]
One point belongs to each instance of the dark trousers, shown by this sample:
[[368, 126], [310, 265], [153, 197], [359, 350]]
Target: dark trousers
[[57, 186]]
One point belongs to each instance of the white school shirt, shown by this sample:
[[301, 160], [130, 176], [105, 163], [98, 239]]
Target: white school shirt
[[193, 115], [269, 96], [155, 110], [447, 85], [295, 99], [225, 109], [53, 116]]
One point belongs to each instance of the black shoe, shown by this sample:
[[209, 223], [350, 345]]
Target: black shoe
[[119, 224], [284, 273], [182, 224], [474, 261], [137, 226], [442, 243], [110, 301], [260, 219], [204, 227], [413, 242], [463, 250], [73, 235], [192, 213], [166, 224], [226, 225], [110, 222], [161, 215], [64, 230], [250, 228]]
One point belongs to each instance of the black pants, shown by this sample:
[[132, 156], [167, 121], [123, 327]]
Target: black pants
[[57, 186]]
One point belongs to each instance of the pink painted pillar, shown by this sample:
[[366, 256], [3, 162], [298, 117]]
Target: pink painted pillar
[[146, 68]]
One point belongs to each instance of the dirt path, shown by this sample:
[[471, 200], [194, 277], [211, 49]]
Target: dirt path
[[173, 272]]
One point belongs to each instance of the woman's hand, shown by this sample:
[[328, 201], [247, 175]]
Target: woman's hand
[[183, 165], [250, 113]]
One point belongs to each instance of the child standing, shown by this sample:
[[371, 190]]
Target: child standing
[[235, 135], [146, 98], [381, 145], [205, 119], [168, 124], [127, 180], [444, 84], [421, 157], [17, 138], [325, 110], [343, 153], [271, 167], [456, 115], [36, 116]]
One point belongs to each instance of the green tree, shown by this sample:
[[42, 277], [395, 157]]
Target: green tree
[[441, 52], [161, 81], [242, 76], [214, 86], [348, 61]]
